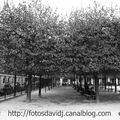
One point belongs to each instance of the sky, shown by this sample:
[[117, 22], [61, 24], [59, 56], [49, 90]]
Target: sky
[[65, 6]]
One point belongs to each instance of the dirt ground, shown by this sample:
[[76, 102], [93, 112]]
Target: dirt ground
[[61, 103]]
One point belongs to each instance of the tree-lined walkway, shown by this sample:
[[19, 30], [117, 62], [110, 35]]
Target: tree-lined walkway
[[36, 41], [57, 96], [61, 98], [65, 96]]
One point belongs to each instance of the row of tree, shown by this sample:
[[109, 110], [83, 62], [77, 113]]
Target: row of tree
[[29, 37], [35, 40], [95, 42]]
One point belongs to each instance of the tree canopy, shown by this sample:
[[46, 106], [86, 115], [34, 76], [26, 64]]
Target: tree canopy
[[34, 39]]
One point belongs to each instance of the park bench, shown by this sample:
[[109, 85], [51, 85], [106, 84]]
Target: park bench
[[81, 91], [78, 88], [102, 87], [110, 89], [74, 86], [118, 91], [90, 94]]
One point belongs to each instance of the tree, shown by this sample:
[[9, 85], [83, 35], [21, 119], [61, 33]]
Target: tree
[[30, 40], [93, 41]]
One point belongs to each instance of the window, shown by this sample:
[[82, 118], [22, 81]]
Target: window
[[8, 79], [4, 79]]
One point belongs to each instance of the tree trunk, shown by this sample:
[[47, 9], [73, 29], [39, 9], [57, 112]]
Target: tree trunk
[[34, 83], [55, 83], [80, 81], [75, 80], [51, 84], [85, 82], [115, 83], [40, 81], [77, 84], [26, 86], [29, 87], [48, 82], [96, 87], [15, 84], [105, 82], [45, 85]]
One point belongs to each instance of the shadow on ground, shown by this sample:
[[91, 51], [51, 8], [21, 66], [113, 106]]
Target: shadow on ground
[[66, 96], [109, 97]]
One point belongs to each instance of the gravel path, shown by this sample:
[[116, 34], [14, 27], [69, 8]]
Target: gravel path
[[61, 99]]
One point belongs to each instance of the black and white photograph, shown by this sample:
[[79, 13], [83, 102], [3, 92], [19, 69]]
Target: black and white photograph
[[59, 60]]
